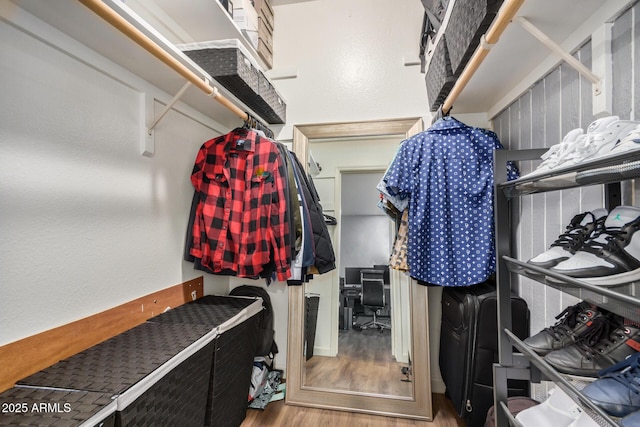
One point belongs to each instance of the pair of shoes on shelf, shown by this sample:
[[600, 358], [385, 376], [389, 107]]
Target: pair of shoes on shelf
[[617, 391], [558, 410], [604, 137], [572, 322], [553, 157], [604, 343], [608, 256], [568, 243], [631, 420], [585, 341]]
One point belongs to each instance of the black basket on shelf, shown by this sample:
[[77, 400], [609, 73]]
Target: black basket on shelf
[[436, 9], [270, 105], [469, 20], [235, 72], [236, 321], [158, 373], [439, 77], [26, 406], [231, 68], [312, 301]]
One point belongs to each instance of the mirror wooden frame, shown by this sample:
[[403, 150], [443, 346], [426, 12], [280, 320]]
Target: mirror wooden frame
[[419, 406]]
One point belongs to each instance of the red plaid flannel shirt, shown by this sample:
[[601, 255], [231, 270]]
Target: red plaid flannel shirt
[[240, 221]]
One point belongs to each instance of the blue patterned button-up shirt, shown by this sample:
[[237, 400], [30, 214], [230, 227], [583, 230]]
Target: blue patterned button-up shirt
[[447, 174]]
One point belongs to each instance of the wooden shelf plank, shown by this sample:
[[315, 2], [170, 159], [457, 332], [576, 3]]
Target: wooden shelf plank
[[32, 354]]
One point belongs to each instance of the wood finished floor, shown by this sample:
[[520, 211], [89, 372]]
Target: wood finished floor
[[364, 363], [278, 414], [363, 359]]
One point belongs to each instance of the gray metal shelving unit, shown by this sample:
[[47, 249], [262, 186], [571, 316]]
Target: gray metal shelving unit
[[622, 300]]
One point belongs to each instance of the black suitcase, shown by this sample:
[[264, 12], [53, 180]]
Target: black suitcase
[[469, 347]]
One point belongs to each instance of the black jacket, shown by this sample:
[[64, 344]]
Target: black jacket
[[325, 259]]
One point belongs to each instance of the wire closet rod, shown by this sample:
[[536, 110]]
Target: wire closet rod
[[506, 13], [113, 18]]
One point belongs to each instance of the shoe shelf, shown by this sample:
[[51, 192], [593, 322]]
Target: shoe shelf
[[568, 384], [623, 300], [599, 171], [620, 299], [510, 418]]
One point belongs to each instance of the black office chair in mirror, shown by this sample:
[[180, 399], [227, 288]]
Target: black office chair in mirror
[[373, 300], [365, 300]]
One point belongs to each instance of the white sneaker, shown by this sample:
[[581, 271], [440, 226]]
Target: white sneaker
[[551, 157], [584, 420], [602, 135], [628, 143], [558, 410]]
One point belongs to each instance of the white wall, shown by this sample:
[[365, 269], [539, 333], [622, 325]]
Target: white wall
[[86, 222], [365, 241], [348, 56], [366, 231]]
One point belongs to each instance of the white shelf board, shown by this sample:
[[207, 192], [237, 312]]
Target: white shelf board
[[518, 60], [200, 20], [80, 23]]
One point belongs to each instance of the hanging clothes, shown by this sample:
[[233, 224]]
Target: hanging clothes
[[306, 254], [325, 259], [400, 202], [240, 223], [446, 174], [398, 258], [293, 204]]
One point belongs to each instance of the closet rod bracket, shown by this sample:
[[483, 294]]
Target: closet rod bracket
[[485, 44], [559, 50], [168, 107]]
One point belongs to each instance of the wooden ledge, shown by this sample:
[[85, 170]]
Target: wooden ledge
[[29, 355]]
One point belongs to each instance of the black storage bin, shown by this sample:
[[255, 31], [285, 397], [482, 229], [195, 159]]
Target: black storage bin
[[469, 348], [25, 406], [158, 374], [233, 69], [269, 104], [312, 301], [436, 9], [439, 77], [228, 6], [235, 321], [469, 20]]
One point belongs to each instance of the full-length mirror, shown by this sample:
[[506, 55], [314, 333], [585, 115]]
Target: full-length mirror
[[358, 336]]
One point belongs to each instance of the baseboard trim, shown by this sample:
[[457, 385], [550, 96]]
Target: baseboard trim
[[323, 351], [437, 386]]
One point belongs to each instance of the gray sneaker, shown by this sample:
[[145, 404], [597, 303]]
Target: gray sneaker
[[572, 322], [604, 344], [611, 257], [577, 232]]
